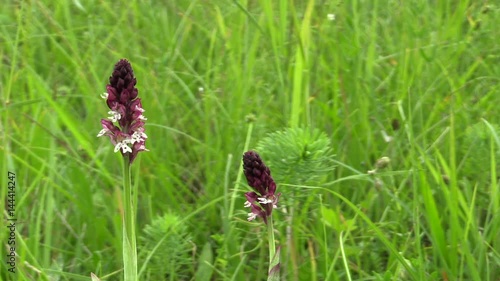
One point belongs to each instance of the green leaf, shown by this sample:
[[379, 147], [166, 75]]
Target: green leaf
[[94, 277], [205, 267], [274, 273]]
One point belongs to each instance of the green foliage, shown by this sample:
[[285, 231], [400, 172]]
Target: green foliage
[[297, 155], [476, 149], [167, 244]]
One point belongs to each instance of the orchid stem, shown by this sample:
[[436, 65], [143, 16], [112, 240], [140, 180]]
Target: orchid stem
[[129, 239], [274, 259]]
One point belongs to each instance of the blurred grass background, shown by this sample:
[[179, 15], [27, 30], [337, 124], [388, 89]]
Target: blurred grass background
[[416, 81]]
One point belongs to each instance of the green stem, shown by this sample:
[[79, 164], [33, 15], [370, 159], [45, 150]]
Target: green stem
[[274, 259], [129, 240], [270, 237], [230, 247], [240, 172]]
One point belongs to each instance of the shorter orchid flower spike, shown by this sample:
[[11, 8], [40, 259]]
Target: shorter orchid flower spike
[[263, 199]]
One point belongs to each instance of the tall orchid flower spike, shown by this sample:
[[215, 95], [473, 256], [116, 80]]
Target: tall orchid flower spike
[[125, 129], [125, 110], [263, 199]]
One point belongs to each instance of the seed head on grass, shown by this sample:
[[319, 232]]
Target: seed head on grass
[[263, 199], [126, 109]]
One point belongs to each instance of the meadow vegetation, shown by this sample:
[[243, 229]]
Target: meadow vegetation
[[321, 89]]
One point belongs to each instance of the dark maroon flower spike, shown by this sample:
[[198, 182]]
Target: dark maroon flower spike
[[126, 109], [263, 199]]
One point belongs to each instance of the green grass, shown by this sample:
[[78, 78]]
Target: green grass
[[425, 73]]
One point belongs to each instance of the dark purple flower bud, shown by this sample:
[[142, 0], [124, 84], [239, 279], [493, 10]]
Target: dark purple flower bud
[[126, 109], [258, 175]]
